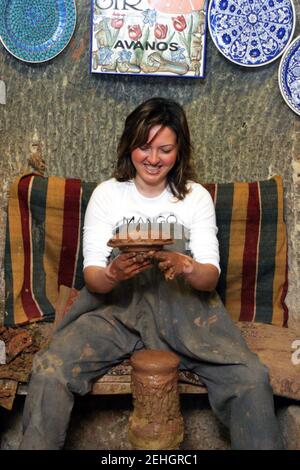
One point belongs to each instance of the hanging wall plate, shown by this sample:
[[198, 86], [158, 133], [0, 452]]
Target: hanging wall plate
[[36, 30], [289, 75], [251, 33]]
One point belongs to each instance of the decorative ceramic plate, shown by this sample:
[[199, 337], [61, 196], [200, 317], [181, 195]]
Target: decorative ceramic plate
[[289, 75], [251, 32], [36, 30]]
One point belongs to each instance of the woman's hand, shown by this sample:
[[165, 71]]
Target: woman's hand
[[174, 264], [102, 280], [201, 276], [128, 265]]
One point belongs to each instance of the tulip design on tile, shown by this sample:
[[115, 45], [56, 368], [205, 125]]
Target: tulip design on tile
[[160, 31], [162, 39], [179, 23], [117, 21], [134, 32]]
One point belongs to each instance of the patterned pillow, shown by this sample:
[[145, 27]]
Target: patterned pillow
[[253, 250], [44, 247]]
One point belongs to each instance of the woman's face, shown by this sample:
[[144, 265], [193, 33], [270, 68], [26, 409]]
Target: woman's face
[[154, 160]]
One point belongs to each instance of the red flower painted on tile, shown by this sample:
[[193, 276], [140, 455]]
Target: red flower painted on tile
[[134, 32], [117, 21], [160, 31], [179, 23]]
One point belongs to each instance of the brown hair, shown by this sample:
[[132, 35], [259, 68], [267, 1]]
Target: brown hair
[[157, 111]]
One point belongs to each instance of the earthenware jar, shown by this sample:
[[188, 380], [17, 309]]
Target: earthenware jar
[[156, 422]]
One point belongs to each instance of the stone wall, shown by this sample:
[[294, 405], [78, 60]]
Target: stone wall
[[240, 125]]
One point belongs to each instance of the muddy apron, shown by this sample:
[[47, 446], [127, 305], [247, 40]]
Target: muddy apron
[[101, 330]]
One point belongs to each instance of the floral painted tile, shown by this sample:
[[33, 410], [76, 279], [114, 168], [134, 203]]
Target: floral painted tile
[[149, 37]]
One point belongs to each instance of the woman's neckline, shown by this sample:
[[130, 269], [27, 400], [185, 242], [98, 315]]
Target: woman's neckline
[[150, 198]]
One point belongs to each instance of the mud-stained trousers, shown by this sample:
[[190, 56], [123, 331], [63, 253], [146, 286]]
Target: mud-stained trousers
[[101, 330]]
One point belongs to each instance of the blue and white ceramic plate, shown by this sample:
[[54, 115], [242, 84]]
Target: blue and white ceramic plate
[[36, 30], [289, 75], [251, 33]]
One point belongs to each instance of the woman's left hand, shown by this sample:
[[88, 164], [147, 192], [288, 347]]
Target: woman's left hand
[[173, 264]]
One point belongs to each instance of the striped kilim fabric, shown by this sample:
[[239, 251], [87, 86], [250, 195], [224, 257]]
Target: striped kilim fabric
[[44, 247]]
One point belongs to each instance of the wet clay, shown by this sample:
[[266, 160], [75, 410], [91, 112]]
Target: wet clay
[[141, 240], [177, 264], [156, 422]]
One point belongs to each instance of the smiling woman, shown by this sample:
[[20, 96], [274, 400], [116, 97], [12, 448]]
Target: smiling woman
[[163, 301], [154, 160], [156, 137]]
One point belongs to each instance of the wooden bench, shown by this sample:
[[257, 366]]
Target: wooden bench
[[273, 344]]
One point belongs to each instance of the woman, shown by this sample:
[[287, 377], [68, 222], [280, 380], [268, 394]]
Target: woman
[[166, 301]]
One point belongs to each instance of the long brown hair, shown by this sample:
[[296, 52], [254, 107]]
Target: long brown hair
[[157, 111]]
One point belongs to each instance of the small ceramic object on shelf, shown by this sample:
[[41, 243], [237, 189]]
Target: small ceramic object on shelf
[[36, 30], [289, 75], [251, 33]]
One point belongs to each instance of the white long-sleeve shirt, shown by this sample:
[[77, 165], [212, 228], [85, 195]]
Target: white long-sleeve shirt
[[114, 203]]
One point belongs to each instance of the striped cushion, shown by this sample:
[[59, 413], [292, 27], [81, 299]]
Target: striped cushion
[[253, 250], [44, 247]]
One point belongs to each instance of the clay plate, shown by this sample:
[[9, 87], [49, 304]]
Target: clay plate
[[140, 245]]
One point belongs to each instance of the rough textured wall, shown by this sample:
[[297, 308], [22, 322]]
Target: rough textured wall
[[241, 127]]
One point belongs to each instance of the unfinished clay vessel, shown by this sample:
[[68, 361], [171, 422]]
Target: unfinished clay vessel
[[139, 240], [156, 422]]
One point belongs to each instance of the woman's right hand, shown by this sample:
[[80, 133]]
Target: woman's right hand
[[128, 265]]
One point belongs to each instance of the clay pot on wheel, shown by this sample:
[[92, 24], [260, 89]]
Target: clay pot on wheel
[[156, 422]]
